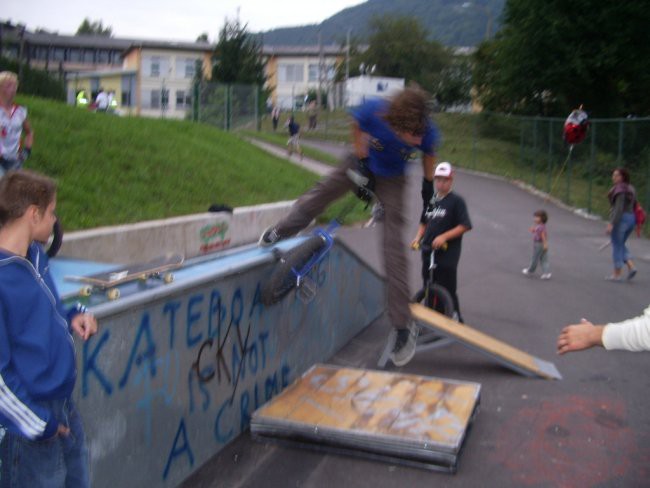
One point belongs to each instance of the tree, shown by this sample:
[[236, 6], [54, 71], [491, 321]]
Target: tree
[[238, 56], [95, 28], [552, 56], [203, 37], [455, 83], [398, 46]]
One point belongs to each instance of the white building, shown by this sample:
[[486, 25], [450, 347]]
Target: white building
[[360, 88]]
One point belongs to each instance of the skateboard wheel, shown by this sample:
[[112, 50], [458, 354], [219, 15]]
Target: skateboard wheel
[[113, 294], [168, 277], [86, 291]]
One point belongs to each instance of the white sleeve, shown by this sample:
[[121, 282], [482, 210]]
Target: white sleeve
[[629, 335]]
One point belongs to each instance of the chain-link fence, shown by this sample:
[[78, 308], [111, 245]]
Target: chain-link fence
[[227, 106], [532, 149]]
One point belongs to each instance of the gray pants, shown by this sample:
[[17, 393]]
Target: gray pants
[[539, 256], [390, 191]]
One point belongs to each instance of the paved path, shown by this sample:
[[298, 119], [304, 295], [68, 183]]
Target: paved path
[[590, 429]]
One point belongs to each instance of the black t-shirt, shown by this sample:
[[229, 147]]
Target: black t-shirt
[[441, 216]]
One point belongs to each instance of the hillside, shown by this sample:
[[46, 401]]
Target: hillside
[[114, 170], [451, 22]]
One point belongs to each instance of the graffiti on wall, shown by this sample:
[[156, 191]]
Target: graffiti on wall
[[177, 379], [214, 237]]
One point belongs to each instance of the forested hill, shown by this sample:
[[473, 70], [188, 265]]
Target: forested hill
[[451, 22]]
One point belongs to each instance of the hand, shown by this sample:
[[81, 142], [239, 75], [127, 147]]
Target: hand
[[608, 229], [580, 336], [24, 153], [62, 431], [427, 191], [415, 244], [439, 243], [85, 325]]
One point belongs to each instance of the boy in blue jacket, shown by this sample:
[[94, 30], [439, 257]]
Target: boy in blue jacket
[[44, 441]]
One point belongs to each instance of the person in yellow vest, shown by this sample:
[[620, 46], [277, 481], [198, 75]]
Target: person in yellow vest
[[82, 99], [112, 102]]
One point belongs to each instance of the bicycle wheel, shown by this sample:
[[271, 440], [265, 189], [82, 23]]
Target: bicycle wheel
[[283, 278], [439, 299]]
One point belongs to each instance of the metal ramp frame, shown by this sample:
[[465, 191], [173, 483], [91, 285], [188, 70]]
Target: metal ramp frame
[[442, 331]]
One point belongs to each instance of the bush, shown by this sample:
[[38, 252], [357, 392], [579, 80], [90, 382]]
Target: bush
[[35, 82]]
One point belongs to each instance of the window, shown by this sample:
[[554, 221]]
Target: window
[[190, 68], [155, 99], [154, 67], [128, 85], [102, 56], [288, 73], [183, 99], [74, 55], [313, 72]]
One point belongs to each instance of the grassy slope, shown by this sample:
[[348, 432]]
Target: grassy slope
[[114, 170]]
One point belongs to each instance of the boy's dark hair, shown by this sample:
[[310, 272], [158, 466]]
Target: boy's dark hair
[[20, 189], [543, 216], [625, 174], [409, 111]]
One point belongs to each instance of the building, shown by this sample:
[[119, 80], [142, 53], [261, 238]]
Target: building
[[360, 88], [154, 78], [293, 71]]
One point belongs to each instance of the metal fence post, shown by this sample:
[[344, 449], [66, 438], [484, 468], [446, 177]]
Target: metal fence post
[[474, 142], [592, 158], [534, 161], [620, 142], [549, 172]]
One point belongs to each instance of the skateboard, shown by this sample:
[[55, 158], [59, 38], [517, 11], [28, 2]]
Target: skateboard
[[159, 268]]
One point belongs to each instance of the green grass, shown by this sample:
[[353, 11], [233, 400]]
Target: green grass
[[114, 170], [279, 139]]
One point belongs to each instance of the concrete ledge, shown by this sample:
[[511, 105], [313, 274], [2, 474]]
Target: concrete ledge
[[192, 235]]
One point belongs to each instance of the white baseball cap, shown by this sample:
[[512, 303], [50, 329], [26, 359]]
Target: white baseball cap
[[443, 169]]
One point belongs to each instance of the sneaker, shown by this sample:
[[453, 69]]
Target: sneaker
[[545, 276], [631, 274], [526, 271], [616, 279], [404, 349], [269, 237]]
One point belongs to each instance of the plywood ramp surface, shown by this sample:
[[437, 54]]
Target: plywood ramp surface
[[372, 409], [484, 342]]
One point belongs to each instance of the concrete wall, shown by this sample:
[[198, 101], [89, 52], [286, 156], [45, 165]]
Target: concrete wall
[[175, 371], [192, 235]]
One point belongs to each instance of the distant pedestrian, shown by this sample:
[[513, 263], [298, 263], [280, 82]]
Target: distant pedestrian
[[293, 144], [16, 134], [540, 246], [275, 117], [621, 223], [101, 101], [312, 114]]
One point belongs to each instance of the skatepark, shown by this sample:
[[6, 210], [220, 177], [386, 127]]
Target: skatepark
[[587, 429]]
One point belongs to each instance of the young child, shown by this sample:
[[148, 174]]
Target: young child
[[442, 225], [540, 246], [44, 441], [14, 148], [293, 144]]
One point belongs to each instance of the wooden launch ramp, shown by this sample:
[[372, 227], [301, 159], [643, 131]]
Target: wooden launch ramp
[[440, 330]]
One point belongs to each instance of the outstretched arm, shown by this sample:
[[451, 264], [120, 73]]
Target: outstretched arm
[[577, 337]]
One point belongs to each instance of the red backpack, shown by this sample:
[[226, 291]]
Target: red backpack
[[639, 217]]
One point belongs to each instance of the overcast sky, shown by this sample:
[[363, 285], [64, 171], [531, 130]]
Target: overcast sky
[[169, 19]]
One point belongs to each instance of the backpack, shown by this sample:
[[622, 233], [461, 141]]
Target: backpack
[[639, 217]]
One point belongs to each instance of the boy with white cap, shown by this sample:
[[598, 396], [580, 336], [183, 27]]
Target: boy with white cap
[[442, 225]]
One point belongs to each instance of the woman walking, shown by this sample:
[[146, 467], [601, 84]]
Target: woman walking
[[621, 223]]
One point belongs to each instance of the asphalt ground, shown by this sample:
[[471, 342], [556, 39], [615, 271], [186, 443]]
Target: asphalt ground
[[592, 428]]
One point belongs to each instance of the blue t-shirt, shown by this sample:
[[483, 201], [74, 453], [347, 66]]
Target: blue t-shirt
[[388, 154]]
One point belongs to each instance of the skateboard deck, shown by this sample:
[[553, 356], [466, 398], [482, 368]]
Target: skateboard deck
[[159, 267]]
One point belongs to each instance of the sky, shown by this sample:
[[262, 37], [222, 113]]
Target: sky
[[169, 19]]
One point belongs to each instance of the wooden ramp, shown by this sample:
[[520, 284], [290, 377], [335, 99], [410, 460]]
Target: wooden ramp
[[453, 331], [399, 418]]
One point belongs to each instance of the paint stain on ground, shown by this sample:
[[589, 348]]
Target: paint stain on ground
[[570, 441]]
